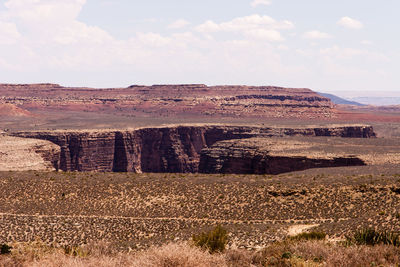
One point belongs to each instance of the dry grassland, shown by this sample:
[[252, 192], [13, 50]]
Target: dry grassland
[[138, 210]]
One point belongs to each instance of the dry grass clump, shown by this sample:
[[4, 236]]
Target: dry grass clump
[[309, 236], [331, 254], [308, 253], [179, 255], [37, 254], [32, 251], [214, 240], [373, 237]]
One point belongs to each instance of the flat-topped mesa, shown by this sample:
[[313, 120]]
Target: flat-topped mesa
[[165, 149], [39, 86], [169, 86], [173, 100]]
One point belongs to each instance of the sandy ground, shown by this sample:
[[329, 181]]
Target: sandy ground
[[300, 228]]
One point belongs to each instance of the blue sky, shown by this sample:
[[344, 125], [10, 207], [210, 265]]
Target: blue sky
[[342, 46]]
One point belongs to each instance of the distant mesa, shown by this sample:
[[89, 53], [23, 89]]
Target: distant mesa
[[169, 100], [33, 85], [340, 101]]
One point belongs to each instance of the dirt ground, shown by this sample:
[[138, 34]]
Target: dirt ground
[[138, 210]]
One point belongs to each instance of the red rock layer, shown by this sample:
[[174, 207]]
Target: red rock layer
[[174, 100], [13, 111]]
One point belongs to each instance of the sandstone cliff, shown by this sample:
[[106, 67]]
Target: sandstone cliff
[[24, 154], [168, 149], [273, 156]]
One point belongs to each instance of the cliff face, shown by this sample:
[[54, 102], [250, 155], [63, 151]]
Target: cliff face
[[169, 149], [273, 156], [24, 154]]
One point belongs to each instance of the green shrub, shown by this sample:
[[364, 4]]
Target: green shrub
[[75, 251], [372, 237], [5, 249], [309, 236], [286, 255], [214, 240]]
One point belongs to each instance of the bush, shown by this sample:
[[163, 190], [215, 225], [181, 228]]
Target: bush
[[214, 240], [75, 251], [372, 237], [5, 249], [309, 236]]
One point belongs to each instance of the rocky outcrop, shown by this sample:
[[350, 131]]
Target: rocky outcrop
[[270, 156], [23, 154], [169, 149]]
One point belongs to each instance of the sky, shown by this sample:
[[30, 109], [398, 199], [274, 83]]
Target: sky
[[341, 46]]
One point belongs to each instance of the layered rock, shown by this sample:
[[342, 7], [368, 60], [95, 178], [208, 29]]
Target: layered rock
[[166, 149], [270, 156], [23, 154], [173, 100]]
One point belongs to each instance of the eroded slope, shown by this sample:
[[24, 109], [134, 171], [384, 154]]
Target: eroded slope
[[21, 154]]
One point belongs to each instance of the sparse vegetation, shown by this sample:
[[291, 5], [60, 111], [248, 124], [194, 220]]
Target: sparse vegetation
[[289, 253], [214, 240], [183, 204], [5, 249], [76, 251], [309, 236], [373, 237]]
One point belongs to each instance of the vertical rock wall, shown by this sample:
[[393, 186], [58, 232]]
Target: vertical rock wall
[[169, 149]]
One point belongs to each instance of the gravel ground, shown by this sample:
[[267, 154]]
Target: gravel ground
[[137, 210]]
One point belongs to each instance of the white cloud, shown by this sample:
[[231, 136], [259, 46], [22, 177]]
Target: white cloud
[[44, 38], [208, 27], [366, 42], [44, 11], [241, 24], [314, 35], [79, 32], [344, 53], [283, 47], [8, 33], [178, 24], [153, 39], [49, 21], [256, 3], [350, 23], [262, 34], [255, 26]]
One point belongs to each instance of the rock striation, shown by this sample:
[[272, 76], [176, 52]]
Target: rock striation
[[25, 154], [271, 156], [174, 149], [172, 100]]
